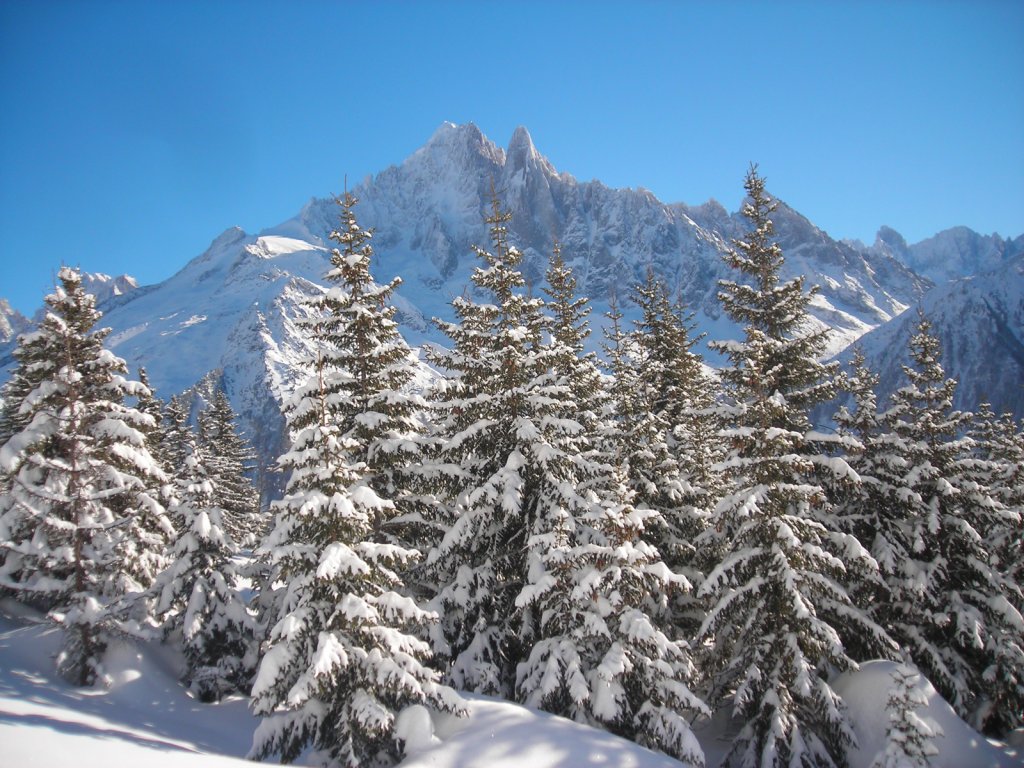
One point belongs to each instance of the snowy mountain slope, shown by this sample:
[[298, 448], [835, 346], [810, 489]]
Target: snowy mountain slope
[[233, 308], [980, 321]]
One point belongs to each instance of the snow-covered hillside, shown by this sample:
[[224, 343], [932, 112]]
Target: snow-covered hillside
[[143, 716]]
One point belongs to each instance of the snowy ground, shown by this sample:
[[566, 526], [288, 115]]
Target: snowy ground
[[143, 717]]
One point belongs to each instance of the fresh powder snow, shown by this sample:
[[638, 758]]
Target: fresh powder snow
[[143, 716]]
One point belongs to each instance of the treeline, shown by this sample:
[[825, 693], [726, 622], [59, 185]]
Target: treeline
[[632, 542]]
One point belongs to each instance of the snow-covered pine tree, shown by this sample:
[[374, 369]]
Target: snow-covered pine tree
[[674, 443], [145, 562], [1000, 449], [999, 465], [229, 459], [909, 740], [176, 435], [79, 519], [489, 411], [777, 608], [342, 657], [33, 354], [864, 501], [148, 403], [951, 608], [652, 467], [578, 370], [596, 654], [623, 385], [196, 597], [32, 349]]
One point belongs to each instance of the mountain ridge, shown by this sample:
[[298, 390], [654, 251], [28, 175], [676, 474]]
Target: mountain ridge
[[979, 320], [233, 308]]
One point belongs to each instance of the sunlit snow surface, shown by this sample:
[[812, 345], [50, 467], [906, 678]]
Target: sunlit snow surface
[[143, 717], [959, 746]]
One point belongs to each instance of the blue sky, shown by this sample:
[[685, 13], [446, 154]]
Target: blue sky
[[133, 133]]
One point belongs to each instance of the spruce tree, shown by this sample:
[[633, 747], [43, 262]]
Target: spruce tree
[[998, 463], [343, 658], [777, 608], [484, 470], [652, 467], [865, 501], [152, 557], [32, 354], [597, 653], [515, 470], [673, 444], [176, 435], [909, 740], [196, 597], [229, 459], [999, 457], [951, 607], [80, 521], [623, 387], [577, 369], [148, 403]]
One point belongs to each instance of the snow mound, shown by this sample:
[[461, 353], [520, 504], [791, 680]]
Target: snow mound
[[498, 734], [143, 716], [866, 692]]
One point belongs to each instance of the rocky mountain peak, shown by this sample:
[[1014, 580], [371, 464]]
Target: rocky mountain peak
[[893, 239], [12, 322], [456, 147]]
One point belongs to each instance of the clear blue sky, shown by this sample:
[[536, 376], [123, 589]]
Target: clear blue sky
[[133, 133]]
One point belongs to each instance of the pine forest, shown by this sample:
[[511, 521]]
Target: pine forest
[[627, 538]]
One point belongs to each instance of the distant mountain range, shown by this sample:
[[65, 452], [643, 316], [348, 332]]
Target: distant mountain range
[[232, 309], [980, 320], [103, 287]]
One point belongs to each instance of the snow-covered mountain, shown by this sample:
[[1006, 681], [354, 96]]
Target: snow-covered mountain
[[980, 321], [233, 308], [428, 211], [105, 288], [12, 322], [949, 255]]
